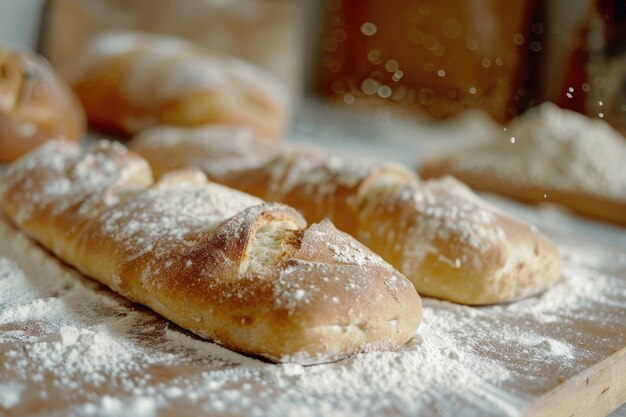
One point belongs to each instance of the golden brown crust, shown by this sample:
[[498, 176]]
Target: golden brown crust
[[465, 251], [447, 241], [35, 105], [193, 252], [129, 81]]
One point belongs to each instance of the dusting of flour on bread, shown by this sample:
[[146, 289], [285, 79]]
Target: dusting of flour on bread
[[75, 348]]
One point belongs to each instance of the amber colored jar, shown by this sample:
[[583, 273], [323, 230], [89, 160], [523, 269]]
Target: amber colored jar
[[439, 57]]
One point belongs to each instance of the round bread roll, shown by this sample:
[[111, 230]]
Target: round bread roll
[[35, 104]]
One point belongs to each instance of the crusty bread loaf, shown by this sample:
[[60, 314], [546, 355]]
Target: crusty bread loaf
[[548, 155], [246, 274], [35, 104], [447, 241], [128, 81], [453, 245]]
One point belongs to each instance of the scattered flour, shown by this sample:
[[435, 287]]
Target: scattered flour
[[554, 149], [10, 394], [77, 349]]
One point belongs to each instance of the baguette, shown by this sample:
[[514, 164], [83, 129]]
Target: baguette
[[448, 242], [35, 104], [246, 274], [128, 81]]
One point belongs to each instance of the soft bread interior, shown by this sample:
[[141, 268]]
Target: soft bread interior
[[267, 246]]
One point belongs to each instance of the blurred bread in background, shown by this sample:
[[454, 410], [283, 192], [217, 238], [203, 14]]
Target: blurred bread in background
[[128, 81], [422, 57], [35, 104]]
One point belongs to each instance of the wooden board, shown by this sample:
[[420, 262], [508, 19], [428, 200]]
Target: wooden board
[[601, 388], [596, 391]]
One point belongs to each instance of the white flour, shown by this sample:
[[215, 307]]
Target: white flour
[[78, 349], [10, 394], [554, 149]]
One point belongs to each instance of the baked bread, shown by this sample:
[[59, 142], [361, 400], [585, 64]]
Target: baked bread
[[129, 81], [35, 104], [548, 155], [455, 246], [246, 274], [448, 242]]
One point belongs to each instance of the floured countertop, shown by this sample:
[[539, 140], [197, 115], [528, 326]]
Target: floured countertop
[[69, 346]]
